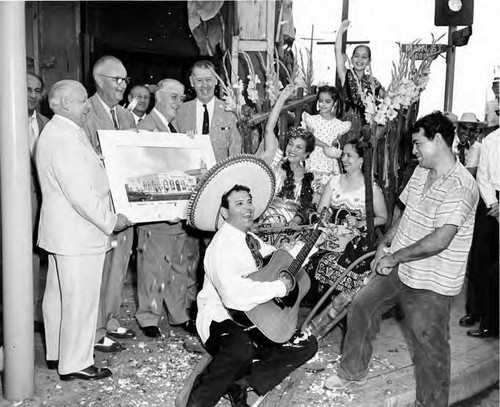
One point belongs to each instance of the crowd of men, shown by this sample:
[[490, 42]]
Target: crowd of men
[[92, 247], [86, 244]]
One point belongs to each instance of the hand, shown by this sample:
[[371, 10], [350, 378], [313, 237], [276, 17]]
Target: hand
[[382, 251], [332, 152], [385, 265], [351, 221], [133, 103], [122, 222], [190, 134], [324, 236], [493, 210], [288, 283], [344, 26]]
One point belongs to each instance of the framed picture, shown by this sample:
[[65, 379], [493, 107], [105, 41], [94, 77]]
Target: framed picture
[[152, 174]]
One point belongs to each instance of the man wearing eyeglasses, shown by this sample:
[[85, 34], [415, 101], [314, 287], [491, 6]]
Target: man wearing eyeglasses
[[166, 253], [104, 113]]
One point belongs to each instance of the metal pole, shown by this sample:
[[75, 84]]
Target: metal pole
[[450, 72], [15, 206]]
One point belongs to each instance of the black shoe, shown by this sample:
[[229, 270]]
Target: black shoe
[[189, 327], [483, 333], [468, 320], [52, 364], [238, 396], [111, 347], [122, 333], [90, 373], [151, 331]]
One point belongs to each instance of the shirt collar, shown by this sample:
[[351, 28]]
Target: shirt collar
[[230, 229], [33, 116], [106, 107], [161, 116], [210, 105], [68, 121]]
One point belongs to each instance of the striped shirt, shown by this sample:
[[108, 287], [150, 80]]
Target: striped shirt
[[451, 200]]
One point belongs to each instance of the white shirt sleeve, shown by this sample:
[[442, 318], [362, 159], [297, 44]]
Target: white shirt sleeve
[[483, 176]]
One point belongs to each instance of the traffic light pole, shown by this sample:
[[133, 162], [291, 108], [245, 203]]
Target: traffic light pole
[[450, 71]]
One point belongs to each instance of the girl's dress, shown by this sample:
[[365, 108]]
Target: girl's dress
[[293, 196], [329, 132], [325, 266], [353, 89]]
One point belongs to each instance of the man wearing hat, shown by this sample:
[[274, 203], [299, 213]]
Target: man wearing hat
[[465, 144], [233, 194]]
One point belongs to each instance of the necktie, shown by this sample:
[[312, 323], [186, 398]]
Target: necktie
[[115, 120], [461, 151], [254, 246], [206, 124], [172, 128]]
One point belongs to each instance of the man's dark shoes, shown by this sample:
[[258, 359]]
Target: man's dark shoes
[[483, 333], [189, 327], [237, 395], [122, 333], [468, 320], [108, 345], [52, 364], [151, 331], [90, 373]]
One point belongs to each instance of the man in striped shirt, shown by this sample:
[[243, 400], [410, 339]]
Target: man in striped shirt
[[421, 263]]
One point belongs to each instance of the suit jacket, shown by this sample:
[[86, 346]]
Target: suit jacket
[[152, 122], [36, 193], [96, 118], [225, 137], [76, 216]]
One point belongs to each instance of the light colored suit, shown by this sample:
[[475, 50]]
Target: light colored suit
[[76, 220], [167, 257], [116, 262], [224, 134]]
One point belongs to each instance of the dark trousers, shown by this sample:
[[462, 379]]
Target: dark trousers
[[426, 315], [482, 274], [247, 357]]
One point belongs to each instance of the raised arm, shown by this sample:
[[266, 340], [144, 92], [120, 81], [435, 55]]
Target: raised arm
[[340, 57], [270, 140]]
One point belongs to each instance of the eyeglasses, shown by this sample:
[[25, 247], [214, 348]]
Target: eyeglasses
[[119, 80]]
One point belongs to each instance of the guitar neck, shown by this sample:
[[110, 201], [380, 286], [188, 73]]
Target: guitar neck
[[301, 257]]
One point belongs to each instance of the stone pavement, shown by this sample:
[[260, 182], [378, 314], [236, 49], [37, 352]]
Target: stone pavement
[[151, 372]]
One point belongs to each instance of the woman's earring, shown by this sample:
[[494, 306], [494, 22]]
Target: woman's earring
[[317, 106]]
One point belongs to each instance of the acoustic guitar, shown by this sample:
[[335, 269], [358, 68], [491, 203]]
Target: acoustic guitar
[[277, 318]]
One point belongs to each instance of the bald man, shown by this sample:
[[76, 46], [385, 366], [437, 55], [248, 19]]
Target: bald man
[[76, 222], [167, 255], [142, 96], [104, 113]]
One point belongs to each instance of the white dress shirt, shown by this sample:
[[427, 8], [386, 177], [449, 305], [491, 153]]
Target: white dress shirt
[[488, 171], [108, 110], [200, 110], [137, 118], [228, 262]]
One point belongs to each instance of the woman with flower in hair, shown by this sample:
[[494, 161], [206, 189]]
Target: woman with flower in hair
[[292, 202], [345, 197], [327, 129], [360, 86]]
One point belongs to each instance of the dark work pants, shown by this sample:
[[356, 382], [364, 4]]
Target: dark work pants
[[482, 289], [426, 315], [237, 357]]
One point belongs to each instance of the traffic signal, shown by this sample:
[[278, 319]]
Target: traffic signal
[[454, 12]]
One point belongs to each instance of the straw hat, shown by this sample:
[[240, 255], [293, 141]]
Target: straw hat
[[470, 118], [244, 169]]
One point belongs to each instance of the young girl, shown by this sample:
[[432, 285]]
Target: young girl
[[327, 129]]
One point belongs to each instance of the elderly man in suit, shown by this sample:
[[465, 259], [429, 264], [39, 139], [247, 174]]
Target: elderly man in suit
[[141, 95], [36, 123], [76, 222], [206, 114], [104, 113], [165, 250]]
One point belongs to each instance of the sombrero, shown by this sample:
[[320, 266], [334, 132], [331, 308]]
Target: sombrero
[[244, 169]]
